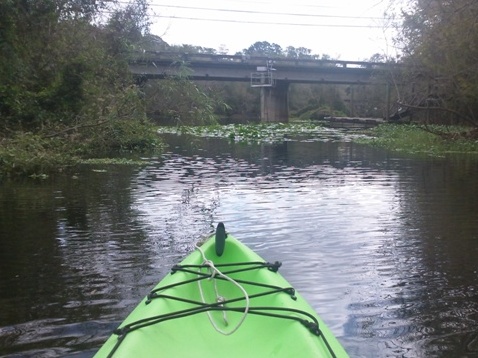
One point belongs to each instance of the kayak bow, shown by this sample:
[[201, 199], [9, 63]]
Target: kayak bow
[[223, 300]]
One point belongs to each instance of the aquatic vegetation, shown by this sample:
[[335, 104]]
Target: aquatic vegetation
[[112, 161], [262, 132], [38, 156], [414, 139], [410, 139], [32, 155]]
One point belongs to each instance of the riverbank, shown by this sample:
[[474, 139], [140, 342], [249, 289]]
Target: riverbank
[[412, 139], [37, 156], [24, 154]]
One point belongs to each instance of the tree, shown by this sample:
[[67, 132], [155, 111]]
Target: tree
[[263, 48], [439, 39], [63, 75], [58, 66], [299, 52], [177, 100], [193, 49], [128, 26]]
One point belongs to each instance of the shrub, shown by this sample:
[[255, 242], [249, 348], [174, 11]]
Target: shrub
[[27, 154]]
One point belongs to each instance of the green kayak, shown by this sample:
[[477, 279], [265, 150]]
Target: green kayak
[[223, 300]]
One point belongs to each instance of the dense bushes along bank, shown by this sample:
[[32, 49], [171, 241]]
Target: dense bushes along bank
[[37, 155]]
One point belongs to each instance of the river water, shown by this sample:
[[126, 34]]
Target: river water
[[384, 247]]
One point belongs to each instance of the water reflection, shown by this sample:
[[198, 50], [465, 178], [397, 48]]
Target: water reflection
[[383, 247]]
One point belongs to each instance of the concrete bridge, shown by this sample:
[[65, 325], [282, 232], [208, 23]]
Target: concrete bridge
[[271, 75]]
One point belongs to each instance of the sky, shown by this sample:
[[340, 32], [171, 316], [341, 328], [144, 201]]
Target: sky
[[343, 29]]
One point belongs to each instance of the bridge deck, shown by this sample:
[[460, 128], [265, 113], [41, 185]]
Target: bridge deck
[[240, 68]]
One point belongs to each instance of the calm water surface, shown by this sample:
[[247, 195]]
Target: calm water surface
[[384, 248]]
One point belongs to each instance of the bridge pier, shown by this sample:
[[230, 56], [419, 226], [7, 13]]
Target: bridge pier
[[275, 102]]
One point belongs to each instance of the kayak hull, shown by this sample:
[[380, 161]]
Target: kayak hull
[[185, 315]]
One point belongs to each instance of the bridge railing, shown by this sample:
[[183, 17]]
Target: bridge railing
[[153, 56]]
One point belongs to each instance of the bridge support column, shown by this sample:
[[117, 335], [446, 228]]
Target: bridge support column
[[275, 103], [387, 93]]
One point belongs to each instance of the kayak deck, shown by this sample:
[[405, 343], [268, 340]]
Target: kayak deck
[[234, 305]]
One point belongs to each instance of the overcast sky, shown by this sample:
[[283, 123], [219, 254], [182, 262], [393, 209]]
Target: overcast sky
[[343, 29]]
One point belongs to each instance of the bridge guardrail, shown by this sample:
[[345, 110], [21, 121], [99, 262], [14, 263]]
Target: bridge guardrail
[[151, 56]]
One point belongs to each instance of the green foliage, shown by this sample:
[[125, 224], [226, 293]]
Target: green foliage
[[27, 154], [316, 101], [111, 161], [264, 48], [64, 80], [243, 101], [440, 39], [179, 101], [414, 139], [57, 67], [119, 135], [320, 113], [263, 132], [185, 48], [127, 27], [299, 53]]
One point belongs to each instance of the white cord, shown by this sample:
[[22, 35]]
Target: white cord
[[216, 272]]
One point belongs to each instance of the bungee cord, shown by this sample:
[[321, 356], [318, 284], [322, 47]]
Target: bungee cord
[[214, 271]]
